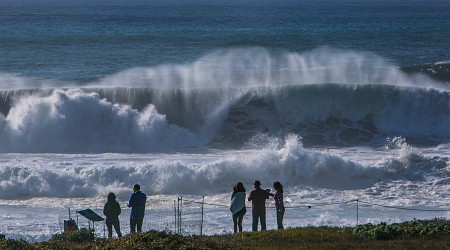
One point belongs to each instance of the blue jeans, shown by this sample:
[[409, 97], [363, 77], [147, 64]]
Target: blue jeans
[[261, 215]]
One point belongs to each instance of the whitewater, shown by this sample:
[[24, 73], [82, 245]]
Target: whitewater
[[333, 126]]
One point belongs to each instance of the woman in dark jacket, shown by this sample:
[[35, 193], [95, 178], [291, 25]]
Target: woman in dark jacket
[[112, 211]]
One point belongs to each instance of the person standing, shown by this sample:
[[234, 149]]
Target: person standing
[[279, 204], [258, 198], [137, 204], [237, 206], [112, 210]]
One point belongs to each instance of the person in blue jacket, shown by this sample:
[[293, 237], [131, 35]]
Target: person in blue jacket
[[137, 204]]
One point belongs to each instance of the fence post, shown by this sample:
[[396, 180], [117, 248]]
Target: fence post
[[178, 215], [180, 207], [175, 209], [201, 225], [357, 211]]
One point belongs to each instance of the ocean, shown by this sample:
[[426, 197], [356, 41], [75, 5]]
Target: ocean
[[346, 103]]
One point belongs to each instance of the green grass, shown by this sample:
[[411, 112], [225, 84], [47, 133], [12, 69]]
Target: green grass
[[429, 234]]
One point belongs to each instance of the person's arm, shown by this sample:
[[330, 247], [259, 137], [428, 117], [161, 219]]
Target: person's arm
[[118, 208], [130, 203], [250, 196]]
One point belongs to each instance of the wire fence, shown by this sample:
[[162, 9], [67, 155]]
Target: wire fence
[[194, 216]]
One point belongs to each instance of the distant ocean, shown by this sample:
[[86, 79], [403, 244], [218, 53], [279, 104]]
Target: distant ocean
[[337, 100]]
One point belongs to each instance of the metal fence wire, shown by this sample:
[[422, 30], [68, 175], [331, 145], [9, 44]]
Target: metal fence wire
[[188, 217]]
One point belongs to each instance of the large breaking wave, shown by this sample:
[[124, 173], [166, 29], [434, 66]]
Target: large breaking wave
[[224, 99]]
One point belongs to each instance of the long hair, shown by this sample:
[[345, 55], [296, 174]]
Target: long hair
[[277, 186], [239, 187]]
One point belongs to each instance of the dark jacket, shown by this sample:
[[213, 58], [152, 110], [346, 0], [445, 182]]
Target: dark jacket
[[137, 204], [258, 198], [112, 210]]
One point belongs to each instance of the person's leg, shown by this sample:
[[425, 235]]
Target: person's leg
[[255, 217], [235, 221], [240, 219], [109, 226], [280, 215], [116, 225], [139, 224], [133, 225], [263, 220]]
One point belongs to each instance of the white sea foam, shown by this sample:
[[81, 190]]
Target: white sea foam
[[396, 176], [72, 121], [211, 173]]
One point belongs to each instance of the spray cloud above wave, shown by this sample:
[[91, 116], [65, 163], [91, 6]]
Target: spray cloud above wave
[[250, 66], [255, 66]]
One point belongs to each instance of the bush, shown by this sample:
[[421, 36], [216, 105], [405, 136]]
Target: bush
[[82, 235], [413, 228], [13, 244]]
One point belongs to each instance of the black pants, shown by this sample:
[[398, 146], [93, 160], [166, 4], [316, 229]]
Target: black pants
[[280, 215], [237, 219], [136, 222], [116, 224], [261, 216]]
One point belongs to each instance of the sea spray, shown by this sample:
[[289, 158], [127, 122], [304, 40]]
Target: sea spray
[[257, 66]]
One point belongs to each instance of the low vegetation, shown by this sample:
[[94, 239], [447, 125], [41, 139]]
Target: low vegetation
[[416, 234]]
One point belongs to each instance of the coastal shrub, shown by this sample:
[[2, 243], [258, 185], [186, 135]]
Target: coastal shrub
[[81, 235], [426, 228], [384, 231], [13, 244]]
